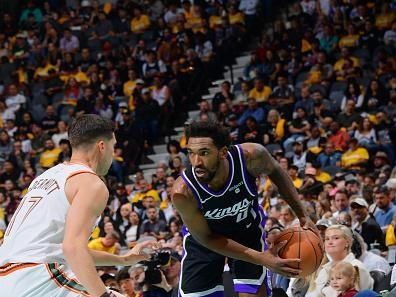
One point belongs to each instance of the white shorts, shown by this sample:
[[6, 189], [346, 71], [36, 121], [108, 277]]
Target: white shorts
[[44, 280]]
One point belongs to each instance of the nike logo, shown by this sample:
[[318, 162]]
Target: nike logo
[[248, 226]]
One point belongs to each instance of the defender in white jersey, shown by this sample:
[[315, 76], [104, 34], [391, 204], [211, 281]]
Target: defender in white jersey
[[45, 250]]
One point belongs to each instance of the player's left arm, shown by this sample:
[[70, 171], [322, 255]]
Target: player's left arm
[[259, 161]]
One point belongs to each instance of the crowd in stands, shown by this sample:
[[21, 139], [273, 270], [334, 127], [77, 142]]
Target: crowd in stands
[[319, 92]]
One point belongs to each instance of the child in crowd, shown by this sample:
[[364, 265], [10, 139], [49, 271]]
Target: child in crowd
[[344, 277]]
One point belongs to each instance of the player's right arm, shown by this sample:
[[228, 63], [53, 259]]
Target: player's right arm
[[88, 197], [197, 225]]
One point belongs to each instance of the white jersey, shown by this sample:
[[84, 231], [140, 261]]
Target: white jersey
[[36, 230]]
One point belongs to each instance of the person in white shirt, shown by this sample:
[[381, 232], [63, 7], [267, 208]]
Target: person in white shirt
[[61, 134], [14, 100], [390, 36]]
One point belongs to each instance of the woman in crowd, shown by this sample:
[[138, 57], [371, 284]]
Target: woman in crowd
[[131, 232], [338, 244]]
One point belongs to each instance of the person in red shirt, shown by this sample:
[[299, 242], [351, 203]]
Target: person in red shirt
[[339, 137]]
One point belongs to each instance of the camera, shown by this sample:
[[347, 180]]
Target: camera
[[153, 267]]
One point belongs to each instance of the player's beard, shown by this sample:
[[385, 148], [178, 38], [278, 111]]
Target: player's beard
[[210, 174]]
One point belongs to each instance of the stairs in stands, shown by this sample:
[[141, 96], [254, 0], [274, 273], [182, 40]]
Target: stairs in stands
[[160, 151]]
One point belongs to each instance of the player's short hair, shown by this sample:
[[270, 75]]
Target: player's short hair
[[88, 128], [218, 133]]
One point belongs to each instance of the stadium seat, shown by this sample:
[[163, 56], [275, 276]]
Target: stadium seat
[[336, 98], [332, 170], [338, 86], [381, 280]]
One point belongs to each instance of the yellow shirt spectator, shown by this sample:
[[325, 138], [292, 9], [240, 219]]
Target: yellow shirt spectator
[[297, 182], [43, 71], [195, 23], [128, 87], [214, 21], [305, 46], [323, 177], [82, 77], [390, 238], [340, 63], [384, 21], [140, 24], [104, 244], [260, 96], [145, 190], [49, 157], [95, 233], [236, 18], [139, 196], [352, 158], [349, 41]]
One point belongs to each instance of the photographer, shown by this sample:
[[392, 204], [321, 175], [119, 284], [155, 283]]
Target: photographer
[[158, 277]]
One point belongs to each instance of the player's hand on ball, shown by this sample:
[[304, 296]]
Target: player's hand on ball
[[279, 265], [307, 223]]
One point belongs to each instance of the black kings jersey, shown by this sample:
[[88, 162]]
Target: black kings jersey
[[234, 208]]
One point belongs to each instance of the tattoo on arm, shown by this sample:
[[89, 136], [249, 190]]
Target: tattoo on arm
[[260, 162]]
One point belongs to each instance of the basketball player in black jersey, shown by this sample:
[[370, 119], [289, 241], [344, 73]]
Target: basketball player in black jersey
[[218, 202]]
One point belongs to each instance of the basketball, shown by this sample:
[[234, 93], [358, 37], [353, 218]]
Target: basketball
[[302, 244]]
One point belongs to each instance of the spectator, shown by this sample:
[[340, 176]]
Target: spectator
[[61, 133], [305, 101], [225, 95], [338, 243], [147, 116], [384, 207], [153, 226], [126, 283], [108, 244], [355, 157], [251, 131], [143, 190], [353, 93], [69, 43], [253, 110], [329, 157], [390, 36], [298, 127], [275, 128], [365, 224], [287, 217], [299, 157], [341, 202], [205, 108], [152, 66], [260, 91], [49, 155], [339, 137], [14, 100], [132, 229]]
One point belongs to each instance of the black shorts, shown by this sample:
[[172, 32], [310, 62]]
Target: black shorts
[[202, 269]]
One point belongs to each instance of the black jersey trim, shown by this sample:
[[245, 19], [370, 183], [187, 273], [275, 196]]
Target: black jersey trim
[[192, 187]]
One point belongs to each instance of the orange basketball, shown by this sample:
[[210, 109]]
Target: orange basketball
[[302, 244]]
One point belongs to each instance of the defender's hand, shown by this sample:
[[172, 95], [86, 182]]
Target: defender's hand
[[136, 254]]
